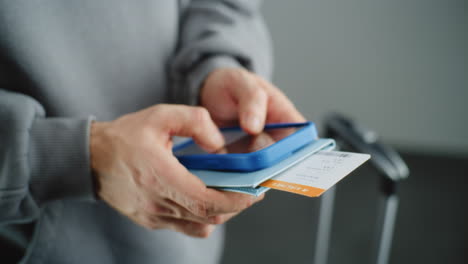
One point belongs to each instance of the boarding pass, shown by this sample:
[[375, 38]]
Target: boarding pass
[[317, 173]]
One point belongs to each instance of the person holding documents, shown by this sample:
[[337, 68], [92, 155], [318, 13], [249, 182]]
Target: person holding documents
[[86, 169]]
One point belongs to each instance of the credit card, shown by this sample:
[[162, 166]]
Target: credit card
[[317, 173]]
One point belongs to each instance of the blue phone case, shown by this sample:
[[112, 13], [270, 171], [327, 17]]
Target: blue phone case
[[257, 160]]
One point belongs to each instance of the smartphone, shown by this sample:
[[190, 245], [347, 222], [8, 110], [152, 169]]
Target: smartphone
[[244, 152]]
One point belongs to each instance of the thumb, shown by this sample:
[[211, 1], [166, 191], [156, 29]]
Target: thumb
[[194, 122]]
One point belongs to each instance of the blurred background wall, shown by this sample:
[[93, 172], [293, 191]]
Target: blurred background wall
[[399, 67]]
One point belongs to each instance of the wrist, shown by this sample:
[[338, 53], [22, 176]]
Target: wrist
[[97, 150]]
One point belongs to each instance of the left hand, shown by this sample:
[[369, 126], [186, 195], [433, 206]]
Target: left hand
[[233, 95]]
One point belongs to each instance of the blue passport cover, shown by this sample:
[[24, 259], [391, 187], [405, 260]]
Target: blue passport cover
[[248, 182]]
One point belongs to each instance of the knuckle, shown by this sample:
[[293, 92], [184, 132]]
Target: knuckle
[[205, 231], [260, 198], [211, 208], [217, 219], [177, 214], [159, 108], [201, 209], [196, 230], [153, 208], [184, 227], [151, 225], [236, 75], [243, 201], [147, 131], [148, 182], [249, 202], [183, 214], [200, 114], [231, 78], [151, 222], [203, 234], [200, 119], [161, 112], [256, 93]]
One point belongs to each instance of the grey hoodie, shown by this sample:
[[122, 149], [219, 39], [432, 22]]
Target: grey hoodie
[[62, 63]]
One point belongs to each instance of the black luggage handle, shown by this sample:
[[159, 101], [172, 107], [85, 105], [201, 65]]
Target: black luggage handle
[[383, 158], [392, 170]]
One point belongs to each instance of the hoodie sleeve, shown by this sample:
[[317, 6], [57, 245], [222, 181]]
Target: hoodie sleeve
[[41, 159], [218, 34]]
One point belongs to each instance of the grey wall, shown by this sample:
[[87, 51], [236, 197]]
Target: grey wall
[[399, 66]]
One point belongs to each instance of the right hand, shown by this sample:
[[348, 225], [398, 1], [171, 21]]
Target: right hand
[[137, 174]]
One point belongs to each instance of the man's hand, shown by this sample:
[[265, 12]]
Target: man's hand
[[236, 95], [137, 174]]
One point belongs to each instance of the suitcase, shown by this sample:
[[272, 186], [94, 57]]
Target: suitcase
[[390, 168]]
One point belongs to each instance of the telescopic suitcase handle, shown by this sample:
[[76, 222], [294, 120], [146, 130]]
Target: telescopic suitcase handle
[[392, 169], [383, 158]]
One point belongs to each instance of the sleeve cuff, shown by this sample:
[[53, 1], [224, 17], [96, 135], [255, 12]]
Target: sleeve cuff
[[59, 159]]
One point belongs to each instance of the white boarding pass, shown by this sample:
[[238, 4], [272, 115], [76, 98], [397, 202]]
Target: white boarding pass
[[317, 173]]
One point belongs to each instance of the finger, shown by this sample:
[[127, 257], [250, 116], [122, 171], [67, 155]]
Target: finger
[[223, 202], [167, 208], [148, 221], [188, 227], [221, 219], [191, 121], [172, 209], [191, 193], [280, 108], [252, 102], [211, 202]]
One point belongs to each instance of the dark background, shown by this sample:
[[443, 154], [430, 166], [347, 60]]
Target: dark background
[[398, 67], [431, 227]]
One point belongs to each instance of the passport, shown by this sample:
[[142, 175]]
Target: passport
[[250, 182]]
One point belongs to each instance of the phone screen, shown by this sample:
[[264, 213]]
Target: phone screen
[[237, 141]]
